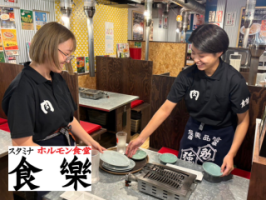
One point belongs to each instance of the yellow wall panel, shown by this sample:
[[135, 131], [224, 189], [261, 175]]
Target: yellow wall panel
[[78, 25]]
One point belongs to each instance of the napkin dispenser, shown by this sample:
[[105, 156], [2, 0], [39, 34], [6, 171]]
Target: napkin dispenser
[[235, 60]]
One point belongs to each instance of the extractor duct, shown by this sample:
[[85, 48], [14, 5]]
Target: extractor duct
[[123, 3], [66, 10], [190, 5], [89, 8]]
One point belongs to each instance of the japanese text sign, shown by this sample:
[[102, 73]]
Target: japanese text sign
[[49, 168]]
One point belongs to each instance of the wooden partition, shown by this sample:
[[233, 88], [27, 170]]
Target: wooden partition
[[7, 74], [171, 131], [258, 172], [124, 75], [9, 71], [166, 56], [72, 83]]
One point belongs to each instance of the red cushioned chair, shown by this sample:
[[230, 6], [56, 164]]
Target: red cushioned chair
[[168, 150], [136, 103], [94, 130], [5, 127], [140, 111], [2, 121]]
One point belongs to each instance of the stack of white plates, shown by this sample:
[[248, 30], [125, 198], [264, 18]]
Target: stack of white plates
[[116, 162]]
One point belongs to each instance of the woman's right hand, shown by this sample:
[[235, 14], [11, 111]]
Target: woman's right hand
[[133, 146]]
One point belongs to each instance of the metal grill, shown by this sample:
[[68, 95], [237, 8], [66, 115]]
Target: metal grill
[[164, 182]]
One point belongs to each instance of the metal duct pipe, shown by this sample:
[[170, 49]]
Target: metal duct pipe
[[66, 9], [182, 26], [148, 14], [190, 5], [89, 8], [249, 16]]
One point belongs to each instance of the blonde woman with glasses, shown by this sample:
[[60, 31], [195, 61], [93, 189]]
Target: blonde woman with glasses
[[38, 103]]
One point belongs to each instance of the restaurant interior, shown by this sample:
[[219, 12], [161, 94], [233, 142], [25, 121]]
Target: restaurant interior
[[128, 55]]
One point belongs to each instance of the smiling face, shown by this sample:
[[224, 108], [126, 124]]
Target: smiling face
[[65, 49], [207, 62]]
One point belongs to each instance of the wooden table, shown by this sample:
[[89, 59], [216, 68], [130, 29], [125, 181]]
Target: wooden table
[[119, 103]]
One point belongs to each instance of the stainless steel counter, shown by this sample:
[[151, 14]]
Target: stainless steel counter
[[114, 101], [111, 187]]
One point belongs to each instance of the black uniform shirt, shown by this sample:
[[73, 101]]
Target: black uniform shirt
[[36, 106], [212, 100]]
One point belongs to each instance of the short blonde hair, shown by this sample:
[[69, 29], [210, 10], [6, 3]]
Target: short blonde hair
[[44, 45]]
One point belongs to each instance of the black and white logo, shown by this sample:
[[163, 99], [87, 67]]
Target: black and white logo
[[47, 106], [194, 93], [244, 102]]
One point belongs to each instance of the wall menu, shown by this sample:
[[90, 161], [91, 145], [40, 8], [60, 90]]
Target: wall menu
[[9, 37], [26, 19], [137, 26], [40, 19], [257, 33]]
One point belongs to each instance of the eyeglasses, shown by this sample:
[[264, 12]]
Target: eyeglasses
[[68, 57]]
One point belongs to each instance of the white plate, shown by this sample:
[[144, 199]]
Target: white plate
[[120, 169], [114, 158]]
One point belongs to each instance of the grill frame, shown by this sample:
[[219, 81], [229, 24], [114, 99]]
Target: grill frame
[[163, 190]]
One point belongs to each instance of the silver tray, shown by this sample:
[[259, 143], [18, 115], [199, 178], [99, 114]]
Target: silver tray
[[90, 93]]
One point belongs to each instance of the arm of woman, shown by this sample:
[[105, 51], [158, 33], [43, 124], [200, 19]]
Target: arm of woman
[[84, 136], [25, 141], [158, 118], [240, 133]]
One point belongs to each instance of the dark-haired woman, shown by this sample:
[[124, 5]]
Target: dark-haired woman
[[217, 100]]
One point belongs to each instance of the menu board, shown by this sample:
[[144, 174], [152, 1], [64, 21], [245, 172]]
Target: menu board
[[257, 33], [198, 20], [137, 26], [7, 18], [80, 64], [87, 64], [40, 19], [122, 50], [9, 37], [2, 57], [26, 19]]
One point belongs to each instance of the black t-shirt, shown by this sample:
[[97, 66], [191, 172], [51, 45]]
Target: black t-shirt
[[212, 100], [36, 106]]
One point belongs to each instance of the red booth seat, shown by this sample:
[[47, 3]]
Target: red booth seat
[[242, 173], [2, 121], [5, 127], [168, 150], [90, 127], [136, 103]]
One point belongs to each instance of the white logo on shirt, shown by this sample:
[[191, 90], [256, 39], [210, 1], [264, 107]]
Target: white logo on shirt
[[244, 102], [46, 105], [194, 93]]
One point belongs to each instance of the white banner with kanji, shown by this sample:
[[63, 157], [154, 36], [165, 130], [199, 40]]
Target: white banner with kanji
[[49, 168]]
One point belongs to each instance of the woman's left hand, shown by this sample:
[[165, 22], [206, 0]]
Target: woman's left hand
[[95, 145], [228, 165]]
